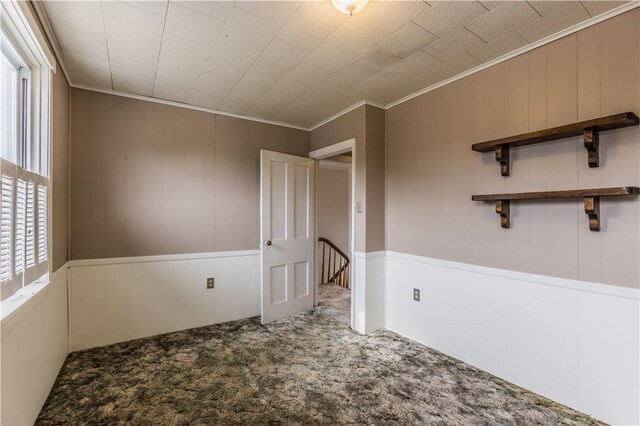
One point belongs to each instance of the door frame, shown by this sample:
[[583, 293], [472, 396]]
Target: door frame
[[320, 154]]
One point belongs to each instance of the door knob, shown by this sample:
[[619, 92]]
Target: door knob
[[269, 242]]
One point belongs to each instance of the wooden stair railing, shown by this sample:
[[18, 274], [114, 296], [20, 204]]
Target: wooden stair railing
[[335, 264]]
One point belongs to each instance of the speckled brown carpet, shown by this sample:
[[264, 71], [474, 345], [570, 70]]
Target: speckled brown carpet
[[335, 301], [307, 369]]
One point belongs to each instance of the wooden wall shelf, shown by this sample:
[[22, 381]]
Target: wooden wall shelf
[[589, 129], [591, 201]]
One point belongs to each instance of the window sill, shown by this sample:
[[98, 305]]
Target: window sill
[[12, 303], [16, 307]]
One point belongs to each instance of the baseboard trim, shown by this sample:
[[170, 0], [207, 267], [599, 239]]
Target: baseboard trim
[[604, 289], [160, 258]]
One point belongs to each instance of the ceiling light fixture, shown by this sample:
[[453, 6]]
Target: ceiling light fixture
[[349, 7]]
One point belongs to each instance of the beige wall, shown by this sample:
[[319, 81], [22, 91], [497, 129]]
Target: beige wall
[[148, 178], [365, 124], [350, 125], [333, 212], [432, 172], [60, 169], [375, 158]]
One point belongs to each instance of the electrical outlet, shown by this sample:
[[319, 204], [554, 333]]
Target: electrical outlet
[[416, 294], [210, 282]]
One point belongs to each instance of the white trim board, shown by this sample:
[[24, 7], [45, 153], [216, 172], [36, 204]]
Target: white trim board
[[335, 149], [35, 344], [115, 300], [369, 301], [327, 152], [604, 289], [568, 31], [566, 342], [371, 254]]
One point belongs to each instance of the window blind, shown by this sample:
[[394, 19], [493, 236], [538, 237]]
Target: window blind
[[6, 228], [42, 223], [23, 228], [20, 225], [30, 244]]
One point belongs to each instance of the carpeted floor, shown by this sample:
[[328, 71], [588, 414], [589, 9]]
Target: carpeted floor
[[309, 368], [335, 301]]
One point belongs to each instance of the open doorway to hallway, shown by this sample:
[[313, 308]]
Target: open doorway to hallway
[[334, 230]]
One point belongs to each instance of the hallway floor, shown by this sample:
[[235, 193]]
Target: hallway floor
[[306, 369], [335, 301]]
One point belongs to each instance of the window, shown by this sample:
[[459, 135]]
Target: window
[[24, 107], [10, 87]]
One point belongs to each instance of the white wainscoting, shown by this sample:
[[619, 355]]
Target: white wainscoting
[[574, 342], [114, 300], [368, 292], [34, 347]]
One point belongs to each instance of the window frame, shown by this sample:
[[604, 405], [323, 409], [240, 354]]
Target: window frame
[[24, 47], [23, 117]]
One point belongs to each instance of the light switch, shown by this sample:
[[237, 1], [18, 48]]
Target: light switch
[[358, 206]]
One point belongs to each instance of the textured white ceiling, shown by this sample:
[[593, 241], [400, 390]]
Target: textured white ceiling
[[297, 62]]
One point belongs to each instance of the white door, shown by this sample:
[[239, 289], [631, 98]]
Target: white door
[[287, 232]]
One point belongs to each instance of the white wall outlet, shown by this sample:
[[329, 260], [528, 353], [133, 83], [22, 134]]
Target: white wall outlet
[[416, 294], [210, 282]]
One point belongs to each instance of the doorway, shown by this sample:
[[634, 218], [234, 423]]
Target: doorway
[[290, 268], [335, 235], [333, 218]]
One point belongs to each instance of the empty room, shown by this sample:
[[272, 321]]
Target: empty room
[[320, 212]]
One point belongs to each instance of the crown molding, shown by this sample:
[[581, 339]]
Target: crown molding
[[42, 16], [546, 40], [343, 112], [187, 106]]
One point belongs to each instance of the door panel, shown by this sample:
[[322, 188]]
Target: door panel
[[287, 232], [301, 282], [301, 206], [278, 284]]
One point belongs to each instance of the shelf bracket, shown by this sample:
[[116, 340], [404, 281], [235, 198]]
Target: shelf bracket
[[502, 157], [592, 143], [592, 209], [503, 208]]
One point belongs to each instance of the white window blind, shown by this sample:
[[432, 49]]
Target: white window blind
[[30, 245], [23, 226], [42, 223], [20, 226], [6, 228]]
